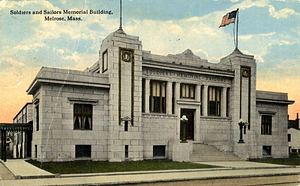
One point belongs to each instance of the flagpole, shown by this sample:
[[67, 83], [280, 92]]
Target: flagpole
[[120, 15], [237, 30]]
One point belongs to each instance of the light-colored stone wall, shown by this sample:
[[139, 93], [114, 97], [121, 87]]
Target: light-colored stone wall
[[217, 132], [278, 139], [158, 129], [56, 138], [295, 138]]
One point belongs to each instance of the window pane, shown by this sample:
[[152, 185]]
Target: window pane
[[192, 90], [214, 101], [183, 91], [83, 116], [163, 89]]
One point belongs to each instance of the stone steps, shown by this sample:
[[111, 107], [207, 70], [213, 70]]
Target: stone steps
[[203, 152]]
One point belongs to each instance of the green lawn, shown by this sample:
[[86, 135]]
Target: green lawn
[[100, 166], [287, 161]]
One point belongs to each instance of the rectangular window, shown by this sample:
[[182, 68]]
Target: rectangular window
[[187, 91], [214, 101], [159, 151], [266, 150], [82, 151], [173, 97], [289, 137], [104, 61], [126, 151], [266, 125], [143, 95], [35, 149], [83, 116], [37, 117], [125, 125], [158, 97], [227, 102]]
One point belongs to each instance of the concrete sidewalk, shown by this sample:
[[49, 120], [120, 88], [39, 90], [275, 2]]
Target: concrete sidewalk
[[21, 169], [230, 170]]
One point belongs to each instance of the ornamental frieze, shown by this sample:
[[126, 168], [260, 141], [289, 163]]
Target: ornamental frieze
[[185, 75]]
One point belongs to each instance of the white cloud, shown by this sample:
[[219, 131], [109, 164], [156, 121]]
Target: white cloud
[[28, 47], [12, 62], [202, 51], [247, 37], [283, 13]]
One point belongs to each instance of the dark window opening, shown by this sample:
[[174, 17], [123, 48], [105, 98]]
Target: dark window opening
[[266, 125], [143, 95], [35, 148], [126, 151], [37, 114], [214, 101], [126, 126], [82, 151], [159, 151], [104, 61], [173, 98], [227, 102], [289, 137], [201, 99], [83, 117], [266, 150]]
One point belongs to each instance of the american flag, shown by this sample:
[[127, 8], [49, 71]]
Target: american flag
[[228, 18]]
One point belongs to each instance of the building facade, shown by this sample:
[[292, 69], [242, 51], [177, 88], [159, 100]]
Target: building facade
[[130, 104], [22, 139], [294, 136]]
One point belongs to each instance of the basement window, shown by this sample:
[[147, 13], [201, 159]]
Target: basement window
[[82, 151], [159, 151], [266, 150]]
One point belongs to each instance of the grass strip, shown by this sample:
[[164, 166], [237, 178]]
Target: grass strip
[[286, 161], [76, 167]]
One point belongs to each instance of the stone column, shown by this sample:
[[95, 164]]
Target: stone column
[[204, 100], [197, 92], [177, 109], [169, 98], [223, 101], [177, 95], [147, 95]]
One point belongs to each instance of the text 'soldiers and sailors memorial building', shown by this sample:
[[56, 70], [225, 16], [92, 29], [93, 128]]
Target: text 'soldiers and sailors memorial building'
[[135, 105]]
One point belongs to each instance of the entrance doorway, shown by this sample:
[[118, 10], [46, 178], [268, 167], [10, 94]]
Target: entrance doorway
[[189, 113]]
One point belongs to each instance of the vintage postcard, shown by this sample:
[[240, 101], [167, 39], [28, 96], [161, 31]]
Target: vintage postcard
[[133, 80]]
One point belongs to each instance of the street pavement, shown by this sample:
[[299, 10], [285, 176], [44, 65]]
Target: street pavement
[[27, 174]]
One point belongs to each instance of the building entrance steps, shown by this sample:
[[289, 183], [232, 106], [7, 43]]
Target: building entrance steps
[[207, 153]]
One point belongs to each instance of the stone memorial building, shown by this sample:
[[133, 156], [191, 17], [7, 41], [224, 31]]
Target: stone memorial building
[[135, 105]]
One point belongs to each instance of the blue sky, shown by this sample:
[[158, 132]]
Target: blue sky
[[269, 30]]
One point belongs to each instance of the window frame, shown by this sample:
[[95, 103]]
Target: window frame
[[216, 97], [188, 89], [37, 117], [267, 149], [104, 61], [159, 151], [82, 115], [162, 98], [266, 126]]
